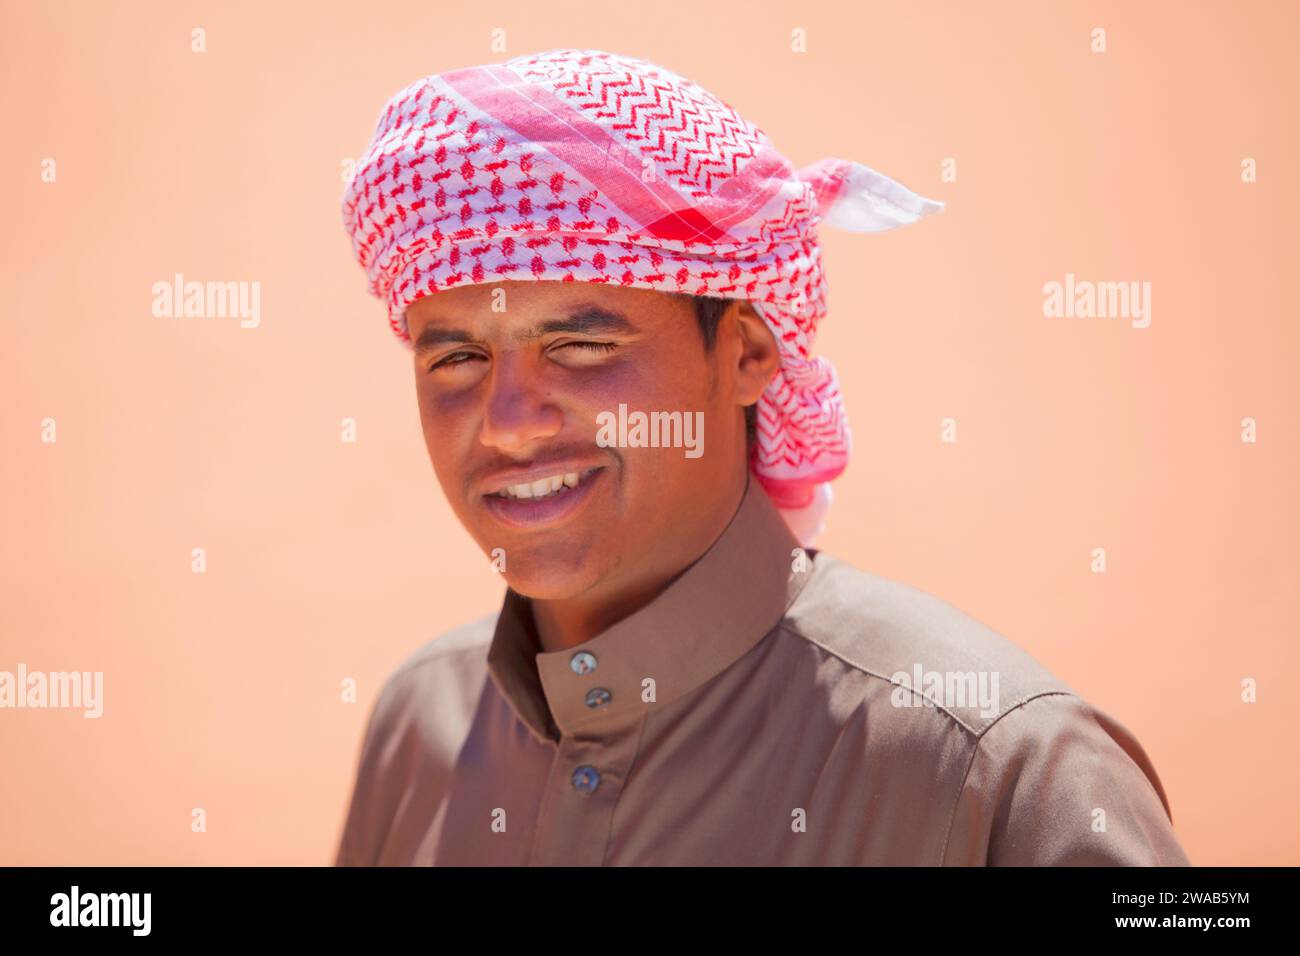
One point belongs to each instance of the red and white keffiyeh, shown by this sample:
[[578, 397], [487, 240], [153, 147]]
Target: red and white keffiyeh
[[582, 165]]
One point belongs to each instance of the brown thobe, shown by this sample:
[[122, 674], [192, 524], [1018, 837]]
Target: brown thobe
[[772, 706]]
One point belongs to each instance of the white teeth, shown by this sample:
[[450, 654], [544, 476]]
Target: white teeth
[[543, 487]]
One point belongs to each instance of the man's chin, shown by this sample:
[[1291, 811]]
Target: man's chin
[[551, 571], [549, 583]]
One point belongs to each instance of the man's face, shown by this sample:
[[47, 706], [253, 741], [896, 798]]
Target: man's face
[[514, 381]]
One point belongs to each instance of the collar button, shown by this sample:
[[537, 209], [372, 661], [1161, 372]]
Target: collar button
[[585, 778], [598, 697], [583, 662]]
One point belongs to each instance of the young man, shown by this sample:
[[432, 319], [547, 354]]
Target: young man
[[610, 284]]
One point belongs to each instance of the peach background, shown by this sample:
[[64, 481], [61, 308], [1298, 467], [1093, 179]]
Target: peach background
[[329, 560]]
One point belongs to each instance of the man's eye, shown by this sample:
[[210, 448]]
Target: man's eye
[[594, 346], [455, 358], [460, 358]]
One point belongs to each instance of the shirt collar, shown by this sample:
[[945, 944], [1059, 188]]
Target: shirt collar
[[707, 618]]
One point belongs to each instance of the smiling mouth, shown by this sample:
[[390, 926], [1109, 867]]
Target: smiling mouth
[[544, 502], [551, 486]]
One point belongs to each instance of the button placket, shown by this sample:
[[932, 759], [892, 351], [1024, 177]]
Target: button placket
[[588, 775], [586, 778]]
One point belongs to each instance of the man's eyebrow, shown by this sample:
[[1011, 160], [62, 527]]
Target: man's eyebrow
[[584, 320], [431, 336]]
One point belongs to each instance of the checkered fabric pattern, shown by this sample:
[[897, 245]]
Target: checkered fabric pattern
[[587, 166]]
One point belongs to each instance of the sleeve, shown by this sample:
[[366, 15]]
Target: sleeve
[[1056, 782]]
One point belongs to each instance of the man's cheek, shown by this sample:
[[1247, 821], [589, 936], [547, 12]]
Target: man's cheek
[[604, 389], [445, 439], [632, 392], [445, 399]]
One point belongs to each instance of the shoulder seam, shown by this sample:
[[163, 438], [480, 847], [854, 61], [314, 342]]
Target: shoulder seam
[[974, 752], [976, 734]]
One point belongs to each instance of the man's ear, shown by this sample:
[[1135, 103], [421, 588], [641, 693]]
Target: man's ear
[[759, 356]]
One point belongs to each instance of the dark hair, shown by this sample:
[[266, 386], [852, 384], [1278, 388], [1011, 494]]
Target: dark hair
[[708, 312]]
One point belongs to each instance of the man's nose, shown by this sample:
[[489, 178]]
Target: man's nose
[[518, 412]]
